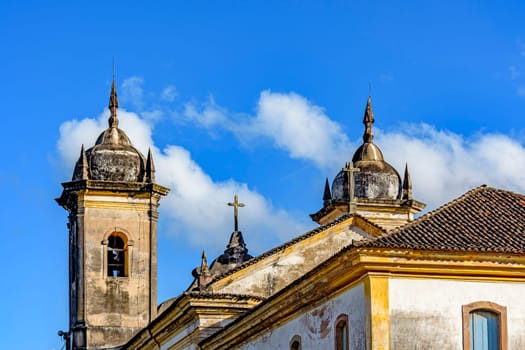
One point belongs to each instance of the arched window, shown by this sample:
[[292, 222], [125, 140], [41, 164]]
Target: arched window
[[341, 333], [295, 343], [117, 255], [484, 326]]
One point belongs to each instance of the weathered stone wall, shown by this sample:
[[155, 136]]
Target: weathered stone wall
[[427, 313], [117, 307], [278, 270], [316, 326]]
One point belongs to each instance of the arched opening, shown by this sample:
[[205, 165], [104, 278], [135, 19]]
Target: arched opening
[[484, 326], [295, 343], [117, 253], [341, 333]]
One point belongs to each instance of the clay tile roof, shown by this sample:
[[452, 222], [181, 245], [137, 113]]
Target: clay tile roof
[[484, 219]]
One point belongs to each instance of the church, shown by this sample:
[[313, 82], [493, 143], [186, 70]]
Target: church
[[372, 275]]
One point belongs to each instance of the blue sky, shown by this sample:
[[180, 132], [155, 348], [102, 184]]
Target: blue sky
[[260, 98]]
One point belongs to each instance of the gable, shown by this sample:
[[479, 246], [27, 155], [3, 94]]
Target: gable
[[270, 272]]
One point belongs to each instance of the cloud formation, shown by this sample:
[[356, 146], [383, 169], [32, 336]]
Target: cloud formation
[[196, 206], [443, 164], [132, 92], [169, 93], [289, 121]]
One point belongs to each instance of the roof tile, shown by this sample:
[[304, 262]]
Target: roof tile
[[484, 219]]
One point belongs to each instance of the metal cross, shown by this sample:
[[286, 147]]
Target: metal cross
[[350, 170], [236, 204]]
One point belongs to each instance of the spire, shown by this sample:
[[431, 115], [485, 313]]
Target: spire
[[81, 168], [327, 196], [236, 240], [150, 168], [113, 106], [202, 273], [407, 184], [204, 263], [368, 120]]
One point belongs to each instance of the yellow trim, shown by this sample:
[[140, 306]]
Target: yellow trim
[[378, 313]]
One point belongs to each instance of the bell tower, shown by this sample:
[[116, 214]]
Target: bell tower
[[112, 203]]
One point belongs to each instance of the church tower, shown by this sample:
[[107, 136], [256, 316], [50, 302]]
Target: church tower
[[112, 203], [370, 187]]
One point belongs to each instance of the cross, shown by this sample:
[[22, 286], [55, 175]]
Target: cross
[[236, 204], [350, 170]]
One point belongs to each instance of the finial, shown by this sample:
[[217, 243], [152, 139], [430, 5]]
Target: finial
[[113, 105], [204, 263], [236, 204], [407, 184], [150, 168], [202, 273], [81, 171], [368, 120], [327, 196]]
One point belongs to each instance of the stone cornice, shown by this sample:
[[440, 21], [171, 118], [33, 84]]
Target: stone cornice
[[128, 188], [187, 309]]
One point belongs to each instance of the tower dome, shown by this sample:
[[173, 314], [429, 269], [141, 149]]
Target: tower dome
[[373, 177], [370, 187], [113, 157]]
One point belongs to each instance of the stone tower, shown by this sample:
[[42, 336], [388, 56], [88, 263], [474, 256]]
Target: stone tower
[[370, 187], [112, 202]]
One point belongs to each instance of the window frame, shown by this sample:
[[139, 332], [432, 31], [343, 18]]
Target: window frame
[[125, 251], [500, 311], [337, 338]]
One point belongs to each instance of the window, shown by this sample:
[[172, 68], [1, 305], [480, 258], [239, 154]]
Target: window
[[117, 255], [295, 343], [341, 333], [484, 326]]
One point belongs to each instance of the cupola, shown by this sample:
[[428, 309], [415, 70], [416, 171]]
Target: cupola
[[374, 177], [369, 186], [113, 157]]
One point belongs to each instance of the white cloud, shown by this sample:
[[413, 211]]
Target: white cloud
[[169, 93], [290, 121], [196, 206], [443, 165], [132, 92], [208, 114], [301, 128]]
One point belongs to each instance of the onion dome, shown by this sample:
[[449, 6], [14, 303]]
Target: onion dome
[[373, 177], [113, 158]]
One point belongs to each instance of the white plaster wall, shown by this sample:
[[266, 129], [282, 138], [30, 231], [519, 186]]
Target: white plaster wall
[[426, 313], [316, 326]]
